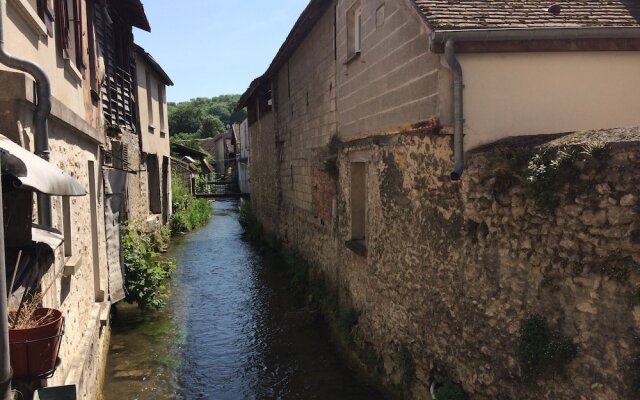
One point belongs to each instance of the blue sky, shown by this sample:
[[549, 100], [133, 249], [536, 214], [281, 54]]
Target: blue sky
[[214, 47]]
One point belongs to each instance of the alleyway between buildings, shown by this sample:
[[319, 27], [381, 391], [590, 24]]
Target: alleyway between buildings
[[232, 330]]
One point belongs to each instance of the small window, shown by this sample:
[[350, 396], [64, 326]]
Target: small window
[[354, 30], [358, 201], [66, 226], [149, 100], [70, 31], [161, 102]]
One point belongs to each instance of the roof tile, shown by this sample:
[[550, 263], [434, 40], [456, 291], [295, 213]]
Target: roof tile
[[492, 14]]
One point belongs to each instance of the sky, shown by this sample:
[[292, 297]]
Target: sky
[[214, 47]]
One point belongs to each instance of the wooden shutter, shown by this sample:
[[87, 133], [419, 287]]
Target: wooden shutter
[[47, 13], [62, 18], [77, 30]]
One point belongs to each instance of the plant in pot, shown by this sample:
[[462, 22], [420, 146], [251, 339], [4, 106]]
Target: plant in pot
[[34, 338]]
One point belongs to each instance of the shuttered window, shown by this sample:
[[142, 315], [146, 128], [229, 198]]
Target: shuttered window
[[47, 14], [70, 29]]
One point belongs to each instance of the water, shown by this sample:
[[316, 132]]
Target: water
[[232, 330]]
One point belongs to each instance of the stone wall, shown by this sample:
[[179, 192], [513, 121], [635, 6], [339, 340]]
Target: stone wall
[[453, 269]]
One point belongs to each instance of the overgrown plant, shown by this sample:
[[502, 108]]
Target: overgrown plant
[[331, 162], [542, 350], [542, 173], [145, 275], [451, 390], [188, 213], [407, 367], [249, 222]]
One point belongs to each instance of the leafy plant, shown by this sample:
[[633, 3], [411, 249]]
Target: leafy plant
[[249, 222], [331, 163], [407, 367], [347, 320], [451, 390], [145, 276], [188, 213], [542, 350]]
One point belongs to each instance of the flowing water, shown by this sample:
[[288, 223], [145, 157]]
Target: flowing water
[[232, 329]]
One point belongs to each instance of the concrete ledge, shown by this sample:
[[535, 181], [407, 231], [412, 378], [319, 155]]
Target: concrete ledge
[[18, 88]]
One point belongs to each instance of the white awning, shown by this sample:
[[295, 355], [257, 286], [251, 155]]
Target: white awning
[[49, 236], [34, 173]]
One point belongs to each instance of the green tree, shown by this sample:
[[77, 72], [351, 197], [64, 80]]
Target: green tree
[[185, 117], [210, 127]]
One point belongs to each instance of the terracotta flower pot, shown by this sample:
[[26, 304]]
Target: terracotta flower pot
[[34, 350]]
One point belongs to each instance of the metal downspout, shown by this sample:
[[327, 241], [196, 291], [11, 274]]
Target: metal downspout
[[41, 115], [458, 116], [5, 363]]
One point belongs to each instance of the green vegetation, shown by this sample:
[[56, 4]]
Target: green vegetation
[[188, 213], [407, 367], [542, 350], [451, 390], [203, 117], [331, 163], [248, 221], [145, 275], [542, 173]]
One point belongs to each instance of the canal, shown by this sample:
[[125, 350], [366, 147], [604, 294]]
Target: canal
[[232, 329]]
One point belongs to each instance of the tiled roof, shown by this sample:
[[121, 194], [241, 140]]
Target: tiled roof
[[495, 14]]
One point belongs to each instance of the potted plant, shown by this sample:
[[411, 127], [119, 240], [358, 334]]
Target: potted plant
[[34, 339]]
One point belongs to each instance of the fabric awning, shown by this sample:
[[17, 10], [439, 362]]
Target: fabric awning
[[34, 173]]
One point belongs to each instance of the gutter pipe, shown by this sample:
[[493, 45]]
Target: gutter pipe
[[40, 117], [449, 39], [5, 364]]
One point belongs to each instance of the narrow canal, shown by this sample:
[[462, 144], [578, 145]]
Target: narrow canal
[[232, 330]]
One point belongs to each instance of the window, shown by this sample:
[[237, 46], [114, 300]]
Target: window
[[153, 182], [66, 226], [45, 11], [358, 240], [161, 102], [358, 200], [354, 31], [149, 100], [70, 31]]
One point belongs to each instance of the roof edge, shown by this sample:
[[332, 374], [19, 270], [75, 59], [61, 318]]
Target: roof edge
[[153, 64]]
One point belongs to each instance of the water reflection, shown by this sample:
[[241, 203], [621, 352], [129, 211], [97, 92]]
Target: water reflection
[[232, 330]]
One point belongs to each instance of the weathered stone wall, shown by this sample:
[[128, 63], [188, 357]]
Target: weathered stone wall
[[453, 269]]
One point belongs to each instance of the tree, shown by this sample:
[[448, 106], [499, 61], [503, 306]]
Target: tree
[[210, 127], [185, 117]]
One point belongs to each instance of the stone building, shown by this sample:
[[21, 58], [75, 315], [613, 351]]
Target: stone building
[[85, 48], [152, 184], [244, 170], [416, 153]]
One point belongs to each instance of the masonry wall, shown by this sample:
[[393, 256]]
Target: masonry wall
[[305, 105], [81, 296], [452, 270], [394, 81]]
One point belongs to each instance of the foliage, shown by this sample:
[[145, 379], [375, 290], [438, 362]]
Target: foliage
[[407, 367], [542, 173], [541, 176], [331, 163], [633, 375], [210, 127], [451, 390], [249, 222], [160, 238], [347, 320], [204, 117], [542, 350], [188, 213], [145, 276]]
